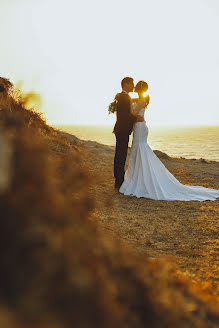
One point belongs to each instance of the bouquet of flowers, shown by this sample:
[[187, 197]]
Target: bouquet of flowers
[[112, 108]]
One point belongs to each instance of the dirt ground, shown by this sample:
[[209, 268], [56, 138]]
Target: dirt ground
[[187, 233]]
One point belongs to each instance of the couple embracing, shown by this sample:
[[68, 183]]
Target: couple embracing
[[146, 175]]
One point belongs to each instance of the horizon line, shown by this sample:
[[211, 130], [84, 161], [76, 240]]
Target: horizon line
[[152, 125]]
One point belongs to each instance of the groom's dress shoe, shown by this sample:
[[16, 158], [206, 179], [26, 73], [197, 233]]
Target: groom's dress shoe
[[117, 186]]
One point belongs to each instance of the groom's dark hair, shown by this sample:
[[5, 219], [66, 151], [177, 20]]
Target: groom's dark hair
[[126, 80]]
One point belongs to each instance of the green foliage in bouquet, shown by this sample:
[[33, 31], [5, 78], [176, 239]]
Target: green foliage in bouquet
[[112, 107]]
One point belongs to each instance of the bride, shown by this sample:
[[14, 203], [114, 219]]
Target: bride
[[146, 175]]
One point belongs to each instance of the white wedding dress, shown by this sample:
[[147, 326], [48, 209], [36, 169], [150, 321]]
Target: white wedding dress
[[147, 176]]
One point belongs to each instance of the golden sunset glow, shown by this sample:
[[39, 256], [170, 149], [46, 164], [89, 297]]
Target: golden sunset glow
[[73, 50], [109, 204], [133, 95]]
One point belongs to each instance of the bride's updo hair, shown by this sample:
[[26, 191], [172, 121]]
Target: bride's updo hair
[[141, 87]]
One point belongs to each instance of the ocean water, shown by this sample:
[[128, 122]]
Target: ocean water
[[188, 142]]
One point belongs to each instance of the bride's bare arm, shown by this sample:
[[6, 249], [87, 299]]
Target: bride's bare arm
[[136, 107]]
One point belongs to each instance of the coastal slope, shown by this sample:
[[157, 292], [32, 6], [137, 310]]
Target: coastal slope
[[75, 253], [185, 232]]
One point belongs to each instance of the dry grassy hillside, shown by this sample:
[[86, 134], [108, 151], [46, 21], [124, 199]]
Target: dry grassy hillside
[[60, 266], [185, 232]]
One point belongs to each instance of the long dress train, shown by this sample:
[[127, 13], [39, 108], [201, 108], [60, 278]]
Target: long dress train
[[147, 176]]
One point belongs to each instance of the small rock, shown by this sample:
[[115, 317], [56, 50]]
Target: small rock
[[202, 160], [72, 139]]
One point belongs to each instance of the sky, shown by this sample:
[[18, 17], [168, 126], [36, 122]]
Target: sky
[[75, 54]]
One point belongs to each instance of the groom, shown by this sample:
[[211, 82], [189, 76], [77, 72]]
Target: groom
[[122, 129]]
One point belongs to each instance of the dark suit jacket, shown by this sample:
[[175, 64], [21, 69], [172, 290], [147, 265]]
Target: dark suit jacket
[[125, 120]]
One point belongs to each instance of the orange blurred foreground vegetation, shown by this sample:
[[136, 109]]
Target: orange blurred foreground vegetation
[[57, 268]]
